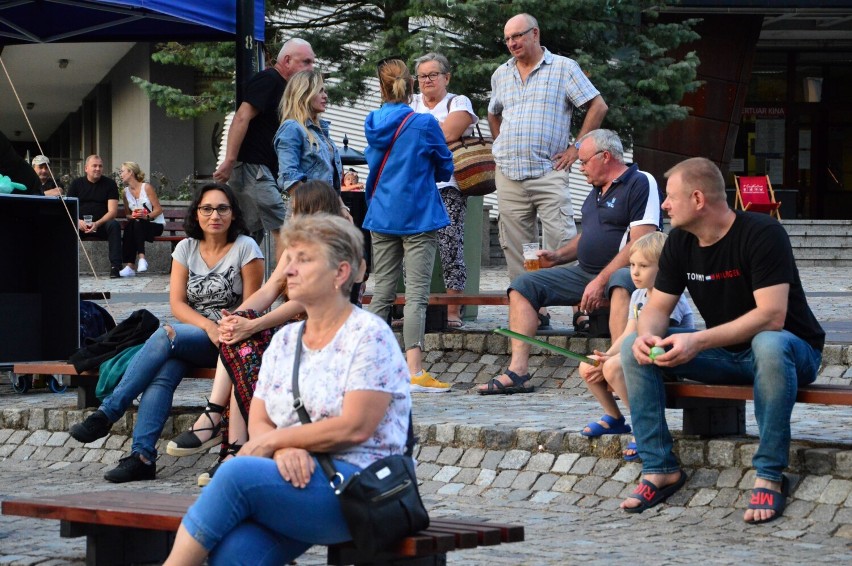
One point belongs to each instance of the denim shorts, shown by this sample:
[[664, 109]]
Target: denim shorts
[[563, 285]]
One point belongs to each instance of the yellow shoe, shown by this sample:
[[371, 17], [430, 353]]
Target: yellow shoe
[[425, 383]]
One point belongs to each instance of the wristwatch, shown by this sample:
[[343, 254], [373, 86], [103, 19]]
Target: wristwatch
[[577, 145]]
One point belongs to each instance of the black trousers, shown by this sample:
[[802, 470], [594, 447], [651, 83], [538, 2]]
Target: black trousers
[[136, 233], [111, 232]]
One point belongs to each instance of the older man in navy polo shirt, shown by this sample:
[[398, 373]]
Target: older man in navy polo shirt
[[623, 206]]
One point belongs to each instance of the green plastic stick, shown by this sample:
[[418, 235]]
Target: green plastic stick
[[546, 345]]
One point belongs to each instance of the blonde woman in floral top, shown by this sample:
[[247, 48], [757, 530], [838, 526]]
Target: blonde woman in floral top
[[273, 502]]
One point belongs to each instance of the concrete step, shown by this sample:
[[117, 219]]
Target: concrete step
[[839, 228], [821, 241]]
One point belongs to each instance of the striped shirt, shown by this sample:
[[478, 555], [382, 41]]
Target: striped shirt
[[536, 114]]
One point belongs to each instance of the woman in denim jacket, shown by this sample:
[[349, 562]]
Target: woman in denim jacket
[[303, 144]]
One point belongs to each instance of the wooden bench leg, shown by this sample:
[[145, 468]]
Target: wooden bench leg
[[86, 397], [712, 417], [111, 546]]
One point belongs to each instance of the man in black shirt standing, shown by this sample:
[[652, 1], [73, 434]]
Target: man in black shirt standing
[[251, 165], [98, 197], [741, 274]]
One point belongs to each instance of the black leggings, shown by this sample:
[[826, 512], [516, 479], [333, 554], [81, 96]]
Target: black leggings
[[136, 233]]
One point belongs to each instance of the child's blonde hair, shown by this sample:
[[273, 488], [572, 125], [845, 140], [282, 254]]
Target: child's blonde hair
[[650, 246]]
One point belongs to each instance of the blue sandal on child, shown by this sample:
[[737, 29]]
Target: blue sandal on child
[[616, 426]]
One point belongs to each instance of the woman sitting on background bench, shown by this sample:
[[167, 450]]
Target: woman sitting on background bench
[[211, 270], [145, 219], [245, 336]]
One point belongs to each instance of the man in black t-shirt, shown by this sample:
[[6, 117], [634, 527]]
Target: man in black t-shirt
[[739, 270], [98, 198], [251, 165]]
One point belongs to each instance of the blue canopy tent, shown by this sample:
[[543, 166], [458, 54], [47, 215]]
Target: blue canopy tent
[[50, 21]]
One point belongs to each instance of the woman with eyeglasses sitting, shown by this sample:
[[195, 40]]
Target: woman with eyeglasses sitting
[[456, 116], [212, 269], [245, 335]]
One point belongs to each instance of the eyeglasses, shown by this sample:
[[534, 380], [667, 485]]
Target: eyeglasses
[[583, 162], [430, 77], [222, 209], [516, 36]]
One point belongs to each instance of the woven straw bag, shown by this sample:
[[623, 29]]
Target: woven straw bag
[[474, 165]]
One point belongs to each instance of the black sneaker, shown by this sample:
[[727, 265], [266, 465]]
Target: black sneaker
[[95, 426], [114, 273], [226, 452], [131, 468]]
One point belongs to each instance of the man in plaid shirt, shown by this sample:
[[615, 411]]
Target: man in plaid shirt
[[532, 98]]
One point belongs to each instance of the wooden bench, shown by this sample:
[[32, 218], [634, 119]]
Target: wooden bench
[[87, 381], [173, 231], [716, 410], [134, 526]]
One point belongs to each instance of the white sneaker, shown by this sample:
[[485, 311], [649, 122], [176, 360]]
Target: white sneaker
[[142, 265], [127, 272]]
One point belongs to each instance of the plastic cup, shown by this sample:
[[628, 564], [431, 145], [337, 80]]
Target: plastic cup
[[531, 261], [88, 220]]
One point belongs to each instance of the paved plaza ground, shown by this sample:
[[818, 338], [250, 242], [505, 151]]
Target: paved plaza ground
[[515, 459]]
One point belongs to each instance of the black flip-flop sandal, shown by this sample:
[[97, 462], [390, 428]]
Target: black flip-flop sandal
[[496, 387], [650, 495], [580, 326], [763, 498]]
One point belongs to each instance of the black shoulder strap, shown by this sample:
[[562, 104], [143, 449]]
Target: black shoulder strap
[[324, 459]]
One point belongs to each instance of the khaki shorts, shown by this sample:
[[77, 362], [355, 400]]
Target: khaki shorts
[[260, 200]]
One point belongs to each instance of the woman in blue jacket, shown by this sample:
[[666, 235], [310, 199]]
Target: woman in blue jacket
[[407, 155], [303, 144]]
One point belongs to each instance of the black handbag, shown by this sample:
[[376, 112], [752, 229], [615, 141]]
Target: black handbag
[[381, 503]]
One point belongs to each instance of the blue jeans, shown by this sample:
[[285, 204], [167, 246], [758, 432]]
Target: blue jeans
[[250, 515], [155, 372], [776, 365]]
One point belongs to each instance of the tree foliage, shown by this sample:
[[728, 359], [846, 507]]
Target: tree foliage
[[628, 54], [213, 65]]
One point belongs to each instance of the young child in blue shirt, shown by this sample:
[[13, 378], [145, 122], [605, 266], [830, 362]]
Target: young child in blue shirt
[[644, 258]]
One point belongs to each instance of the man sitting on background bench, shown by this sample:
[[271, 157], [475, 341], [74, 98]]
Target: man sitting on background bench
[[622, 206], [98, 196]]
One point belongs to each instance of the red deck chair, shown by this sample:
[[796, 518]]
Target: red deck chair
[[755, 194]]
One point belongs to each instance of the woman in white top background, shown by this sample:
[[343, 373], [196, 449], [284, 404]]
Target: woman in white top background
[[145, 220], [457, 118]]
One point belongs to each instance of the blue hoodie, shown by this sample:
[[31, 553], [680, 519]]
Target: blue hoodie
[[407, 200]]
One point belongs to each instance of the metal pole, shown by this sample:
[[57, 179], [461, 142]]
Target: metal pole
[[249, 56], [245, 52]]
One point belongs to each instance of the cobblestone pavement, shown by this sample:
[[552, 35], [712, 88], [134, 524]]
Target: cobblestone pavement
[[510, 459]]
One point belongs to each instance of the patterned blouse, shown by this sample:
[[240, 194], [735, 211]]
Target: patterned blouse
[[363, 355]]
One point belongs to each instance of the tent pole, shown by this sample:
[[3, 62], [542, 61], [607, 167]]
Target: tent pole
[[247, 64], [250, 61]]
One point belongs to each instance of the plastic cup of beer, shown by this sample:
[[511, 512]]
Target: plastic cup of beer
[[88, 220], [531, 262]]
